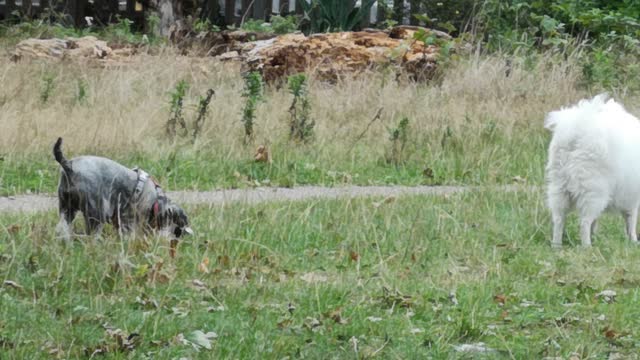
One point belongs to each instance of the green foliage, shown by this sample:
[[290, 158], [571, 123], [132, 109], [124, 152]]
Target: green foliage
[[284, 24], [205, 26], [47, 87], [398, 137], [203, 107], [301, 125], [334, 15], [279, 25], [120, 32], [606, 32], [153, 27], [257, 26], [253, 94], [176, 105], [81, 94]]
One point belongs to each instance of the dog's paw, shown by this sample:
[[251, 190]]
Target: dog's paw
[[556, 246]]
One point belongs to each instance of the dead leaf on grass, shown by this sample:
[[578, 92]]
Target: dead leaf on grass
[[336, 316], [12, 284], [14, 229], [354, 256], [199, 285], [500, 299], [262, 154], [203, 267], [608, 296], [201, 339]]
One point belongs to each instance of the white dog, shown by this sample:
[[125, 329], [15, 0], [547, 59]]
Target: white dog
[[594, 165]]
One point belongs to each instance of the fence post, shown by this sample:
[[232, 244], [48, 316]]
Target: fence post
[[131, 9], [414, 8], [230, 12], [258, 10], [398, 11], [284, 7], [268, 10], [9, 5], [26, 8]]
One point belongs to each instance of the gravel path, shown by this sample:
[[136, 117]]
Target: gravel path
[[35, 203]]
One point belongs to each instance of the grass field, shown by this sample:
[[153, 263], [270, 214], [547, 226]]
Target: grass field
[[368, 278], [479, 123]]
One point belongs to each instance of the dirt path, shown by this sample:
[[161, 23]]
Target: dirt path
[[35, 203]]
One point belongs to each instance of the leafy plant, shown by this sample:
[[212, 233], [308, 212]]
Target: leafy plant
[[398, 137], [176, 105], [203, 107], [81, 95], [205, 26], [284, 24], [334, 15], [120, 32], [253, 95], [258, 26], [301, 125], [47, 87]]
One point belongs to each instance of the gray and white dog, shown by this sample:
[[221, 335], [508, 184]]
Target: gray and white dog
[[107, 192]]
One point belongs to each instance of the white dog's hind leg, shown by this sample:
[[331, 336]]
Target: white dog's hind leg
[[559, 204], [631, 219], [590, 210]]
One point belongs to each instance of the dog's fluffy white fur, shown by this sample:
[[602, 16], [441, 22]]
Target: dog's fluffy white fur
[[594, 165]]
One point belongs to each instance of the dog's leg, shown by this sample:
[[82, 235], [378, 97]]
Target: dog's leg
[[631, 219], [559, 203], [590, 210], [67, 214]]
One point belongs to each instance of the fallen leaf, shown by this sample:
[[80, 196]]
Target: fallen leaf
[[354, 256], [202, 339], [13, 229], [223, 260], [608, 296], [416, 331], [198, 284], [203, 267], [453, 299], [610, 333], [374, 319], [336, 316], [500, 299], [12, 284], [262, 154]]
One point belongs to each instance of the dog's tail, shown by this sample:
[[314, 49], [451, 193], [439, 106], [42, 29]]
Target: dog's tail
[[585, 110], [57, 153]]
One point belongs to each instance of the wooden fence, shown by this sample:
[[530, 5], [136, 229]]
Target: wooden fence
[[232, 11]]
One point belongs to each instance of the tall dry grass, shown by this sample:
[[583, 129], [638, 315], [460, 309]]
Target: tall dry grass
[[127, 105]]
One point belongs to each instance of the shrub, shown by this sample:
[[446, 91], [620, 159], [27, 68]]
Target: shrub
[[301, 125], [253, 95], [176, 105], [334, 15]]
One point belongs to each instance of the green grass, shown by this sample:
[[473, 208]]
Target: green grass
[[313, 279], [474, 161]]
